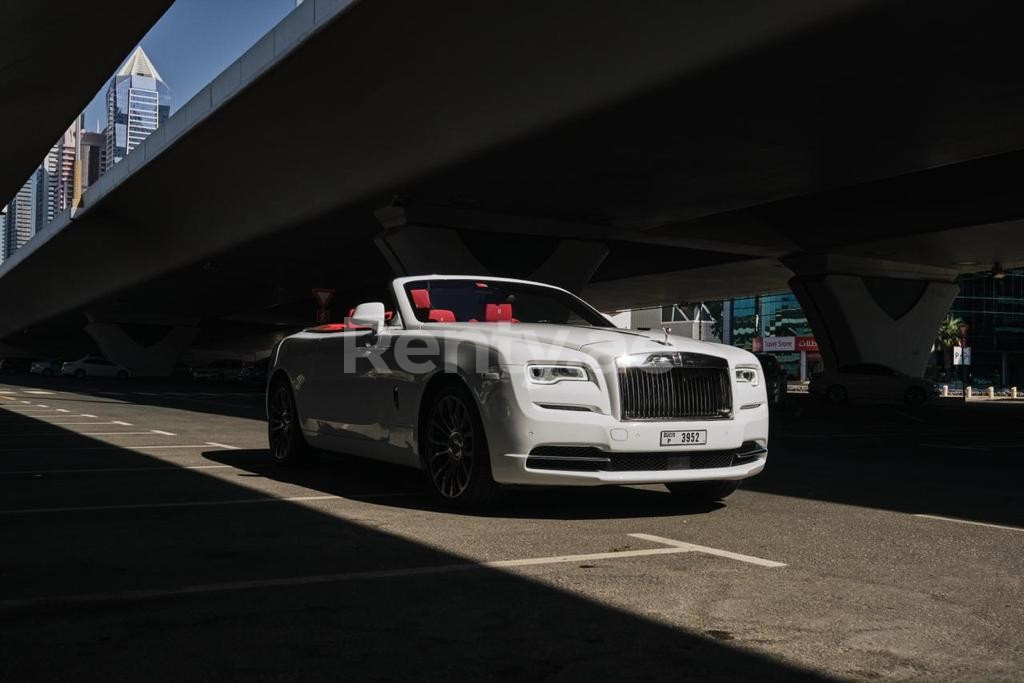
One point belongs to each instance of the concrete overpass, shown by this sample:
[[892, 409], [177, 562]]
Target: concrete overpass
[[54, 56], [865, 151]]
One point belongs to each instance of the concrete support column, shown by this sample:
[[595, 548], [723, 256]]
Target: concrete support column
[[414, 243], [872, 311], [154, 359]]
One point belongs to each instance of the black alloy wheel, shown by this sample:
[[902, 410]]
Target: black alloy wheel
[[284, 433], [456, 457]]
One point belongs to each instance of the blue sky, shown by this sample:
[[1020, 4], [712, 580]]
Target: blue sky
[[196, 40]]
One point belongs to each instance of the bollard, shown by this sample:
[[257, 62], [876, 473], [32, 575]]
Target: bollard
[[1013, 392], [945, 390], [991, 392], [968, 393]]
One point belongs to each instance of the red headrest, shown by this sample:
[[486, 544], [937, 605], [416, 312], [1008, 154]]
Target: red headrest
[[441, 315], [498, 313], [420, 298]]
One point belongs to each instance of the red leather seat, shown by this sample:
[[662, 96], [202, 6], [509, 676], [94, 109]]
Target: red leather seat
[[496, 313], [420, 298], [441, 315]]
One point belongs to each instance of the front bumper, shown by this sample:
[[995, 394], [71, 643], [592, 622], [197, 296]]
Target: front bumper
[[516, 427]]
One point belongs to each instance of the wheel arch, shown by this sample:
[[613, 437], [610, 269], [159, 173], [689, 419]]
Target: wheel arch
[[434, 385]]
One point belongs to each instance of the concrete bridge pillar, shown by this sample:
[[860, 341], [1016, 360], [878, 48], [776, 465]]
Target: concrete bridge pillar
[[872, 311], [422, 243], [155, 355]]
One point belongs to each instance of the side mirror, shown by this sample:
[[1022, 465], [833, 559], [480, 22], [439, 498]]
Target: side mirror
[[369, 315]]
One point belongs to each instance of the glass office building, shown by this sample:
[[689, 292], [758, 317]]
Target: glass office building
[[138, 101], [770, 315], [993, 308]]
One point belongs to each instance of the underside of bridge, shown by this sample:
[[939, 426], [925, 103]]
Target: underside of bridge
[[709, 150]]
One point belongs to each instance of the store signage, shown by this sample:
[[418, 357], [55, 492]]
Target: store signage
[[808, 344], [780, 344]]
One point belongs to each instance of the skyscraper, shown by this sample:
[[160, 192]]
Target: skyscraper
[[138, 101], [21, 220]]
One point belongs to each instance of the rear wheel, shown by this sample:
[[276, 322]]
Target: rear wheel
[[455, 454], [287, 444], [704, 491]]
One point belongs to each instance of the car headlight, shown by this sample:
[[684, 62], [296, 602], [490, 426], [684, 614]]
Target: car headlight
[[547, 373], [747, 374]]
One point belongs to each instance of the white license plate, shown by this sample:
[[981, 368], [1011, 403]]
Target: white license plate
[[689, 437]]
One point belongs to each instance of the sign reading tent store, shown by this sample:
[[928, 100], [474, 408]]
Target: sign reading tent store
[[785, 344]]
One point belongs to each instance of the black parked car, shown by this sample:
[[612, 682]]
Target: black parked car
[[776, 378]]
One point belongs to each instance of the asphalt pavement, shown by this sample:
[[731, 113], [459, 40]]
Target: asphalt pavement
[[146, 535]]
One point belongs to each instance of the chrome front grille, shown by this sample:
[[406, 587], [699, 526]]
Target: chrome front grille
[[693, 387]]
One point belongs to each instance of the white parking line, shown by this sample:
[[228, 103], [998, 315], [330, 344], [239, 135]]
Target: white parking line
[[37, 473], [86, 415], [750, 559], [222, 445], [112, 448], [68, 433], [969, 521], [39, 392], [116, 422], [160, 431], [63, 410], [676, 547], [40, 405], [66, 424]]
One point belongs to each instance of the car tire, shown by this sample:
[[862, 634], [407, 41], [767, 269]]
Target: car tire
[[122, 374], [284, 432], [837, 394], [914, 396], [704, 491], [80, 373], [456, 459]]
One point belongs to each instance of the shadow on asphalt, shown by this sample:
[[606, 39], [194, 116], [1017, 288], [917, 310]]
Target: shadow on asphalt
[[230, 399], [385, 484], [946, 458], [466, 625]]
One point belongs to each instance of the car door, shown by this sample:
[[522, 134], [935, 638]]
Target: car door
[[343, 392]]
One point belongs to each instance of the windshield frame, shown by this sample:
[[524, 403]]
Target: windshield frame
[[410, 319]]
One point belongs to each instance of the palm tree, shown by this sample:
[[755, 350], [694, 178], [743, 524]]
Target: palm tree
[[948, 337]]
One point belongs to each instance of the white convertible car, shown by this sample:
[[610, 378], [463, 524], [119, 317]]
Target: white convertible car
[[484, 381]]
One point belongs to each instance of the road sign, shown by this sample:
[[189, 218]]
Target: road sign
[[323, 296], [961, 355]]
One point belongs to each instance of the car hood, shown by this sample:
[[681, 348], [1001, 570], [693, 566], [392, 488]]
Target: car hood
[[520, 342]]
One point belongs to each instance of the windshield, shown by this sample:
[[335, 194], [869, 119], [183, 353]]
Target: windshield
[[490, 301]]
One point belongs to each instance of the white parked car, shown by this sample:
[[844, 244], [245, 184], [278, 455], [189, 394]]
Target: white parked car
[[483, 381], [871, 382], [94, 366]]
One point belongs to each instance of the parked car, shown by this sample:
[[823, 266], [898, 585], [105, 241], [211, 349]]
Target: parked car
[[871, 382], [47, 368], [12, 366], [255, 372], [219, 370], [484, 381], [776, 378], [94, 366]]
